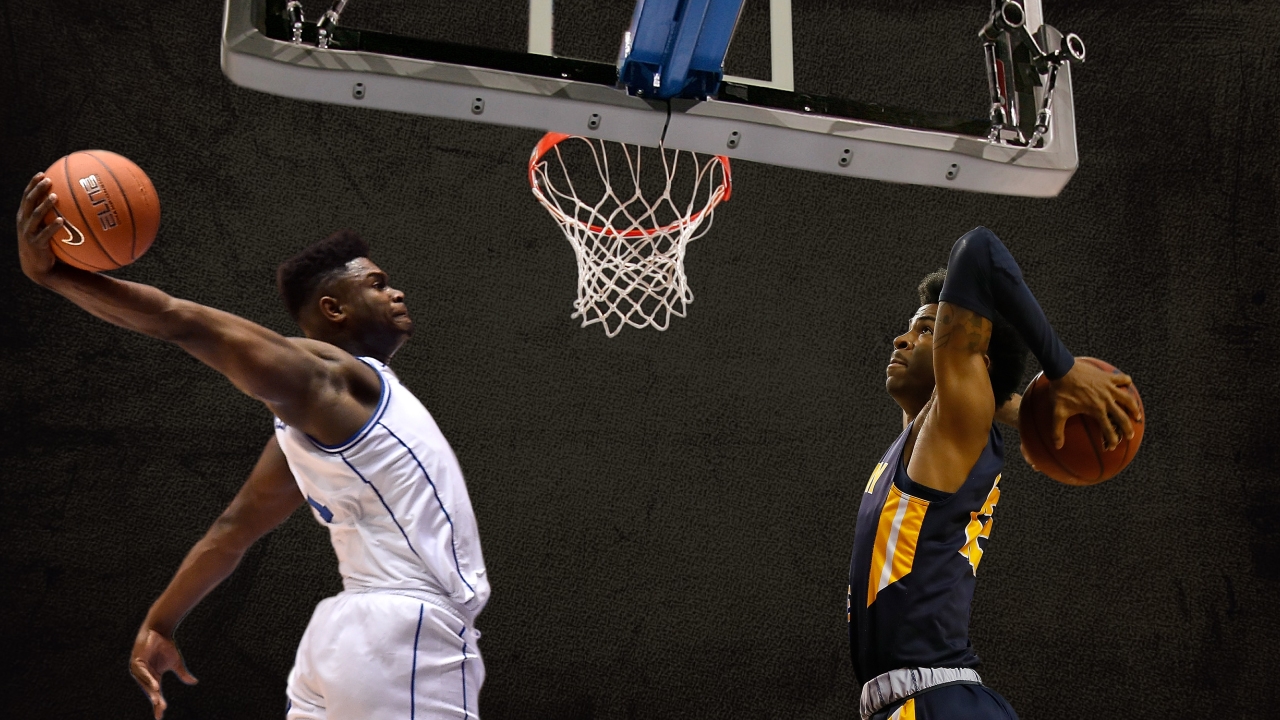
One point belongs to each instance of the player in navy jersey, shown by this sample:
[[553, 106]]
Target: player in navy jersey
[[351, 442], [926, 513]]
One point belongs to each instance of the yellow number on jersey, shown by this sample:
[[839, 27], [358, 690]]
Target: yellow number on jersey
[[979, 528]]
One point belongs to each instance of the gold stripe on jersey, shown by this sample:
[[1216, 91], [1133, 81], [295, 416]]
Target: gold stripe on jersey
[[906, 712], [979, 528], [875, 475], [896, 535]]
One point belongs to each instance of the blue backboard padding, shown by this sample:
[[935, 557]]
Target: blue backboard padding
[[717, 30], [683, 41]]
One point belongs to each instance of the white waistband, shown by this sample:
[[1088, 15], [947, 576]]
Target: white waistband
[[465, 615], [886, 689]]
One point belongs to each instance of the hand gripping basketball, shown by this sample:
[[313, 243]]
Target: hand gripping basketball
[[109, 209], [34, 233], [1097, 392], [1084, 427], [94, 210]]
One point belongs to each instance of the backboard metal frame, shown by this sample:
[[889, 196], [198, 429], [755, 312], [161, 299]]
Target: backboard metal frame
[[781, 47], [747, 119]]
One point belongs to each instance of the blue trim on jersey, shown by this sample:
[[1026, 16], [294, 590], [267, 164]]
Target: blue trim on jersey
[[384, 503], [325, 512], [465, 714], [384, 396], [452, 542], [413, 674]]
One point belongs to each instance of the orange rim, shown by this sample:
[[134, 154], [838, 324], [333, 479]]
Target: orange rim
[[551, 139]]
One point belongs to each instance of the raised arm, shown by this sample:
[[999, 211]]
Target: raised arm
[[294, 378], [267, 498], [955, 427], [1006, 414], [983, 279]]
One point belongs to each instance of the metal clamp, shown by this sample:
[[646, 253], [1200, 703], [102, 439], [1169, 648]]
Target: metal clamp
[[1017, 62], [293, 13], [324, 29]]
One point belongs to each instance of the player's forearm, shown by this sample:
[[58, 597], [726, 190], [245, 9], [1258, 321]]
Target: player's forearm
[[129, 305], [205, 567], [983, 277], [261, 363], [268, 498]]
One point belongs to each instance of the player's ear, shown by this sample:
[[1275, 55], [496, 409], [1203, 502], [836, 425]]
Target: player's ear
[[331, 309], [986, 359]]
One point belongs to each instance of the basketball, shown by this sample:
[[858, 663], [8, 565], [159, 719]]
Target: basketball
[[1081, 460], [109, 206]]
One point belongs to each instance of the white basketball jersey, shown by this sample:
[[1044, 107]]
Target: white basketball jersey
[[394, 501]]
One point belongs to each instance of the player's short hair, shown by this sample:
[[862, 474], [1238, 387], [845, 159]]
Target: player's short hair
[[930, 287], [298, 277], [1007, 351]]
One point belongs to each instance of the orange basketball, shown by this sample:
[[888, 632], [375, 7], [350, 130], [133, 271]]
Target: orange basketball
[[109, 206], [1082, 459]]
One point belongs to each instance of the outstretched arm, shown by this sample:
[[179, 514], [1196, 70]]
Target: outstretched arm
[[267, 498], [294, 378]]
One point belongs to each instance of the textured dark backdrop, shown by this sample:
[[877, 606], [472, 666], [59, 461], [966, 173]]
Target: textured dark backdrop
[[666, 516]]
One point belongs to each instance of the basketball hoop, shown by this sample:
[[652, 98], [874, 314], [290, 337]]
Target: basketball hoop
[[630, 249]]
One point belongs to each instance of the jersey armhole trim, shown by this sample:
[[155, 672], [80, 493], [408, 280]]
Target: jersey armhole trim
[[919, 491], [384, 396], [944, 497]]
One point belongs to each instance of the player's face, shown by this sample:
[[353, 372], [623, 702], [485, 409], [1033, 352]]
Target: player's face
[[910, 370], [376, 310]]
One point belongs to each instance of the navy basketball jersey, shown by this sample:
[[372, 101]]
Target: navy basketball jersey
[[915, 558]]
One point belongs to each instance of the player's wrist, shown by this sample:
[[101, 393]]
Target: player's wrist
[[1067, 377], [58, 277], [165, 631], [159, 624], [36, 267], [1058, 365]]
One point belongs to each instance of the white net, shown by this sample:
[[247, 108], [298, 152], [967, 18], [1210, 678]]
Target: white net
[[629, 222]]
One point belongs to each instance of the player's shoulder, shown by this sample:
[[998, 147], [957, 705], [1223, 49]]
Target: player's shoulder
[[321, 349], [341, 362]]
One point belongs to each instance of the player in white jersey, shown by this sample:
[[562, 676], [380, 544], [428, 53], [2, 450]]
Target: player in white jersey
[[350, 441], [408, 550]]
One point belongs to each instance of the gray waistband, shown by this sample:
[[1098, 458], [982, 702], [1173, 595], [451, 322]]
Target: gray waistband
[[886, 689]]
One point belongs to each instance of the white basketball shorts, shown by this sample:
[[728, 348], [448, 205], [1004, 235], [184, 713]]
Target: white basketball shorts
[[382, 655]]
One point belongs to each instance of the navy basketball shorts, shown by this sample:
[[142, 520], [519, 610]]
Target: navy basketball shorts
[[950, 702]]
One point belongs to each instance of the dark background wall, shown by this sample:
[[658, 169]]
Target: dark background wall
[[666, 516]]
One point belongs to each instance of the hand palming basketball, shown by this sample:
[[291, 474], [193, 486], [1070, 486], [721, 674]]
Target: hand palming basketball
[[109, 206], [94, 210], [1083, 428]]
